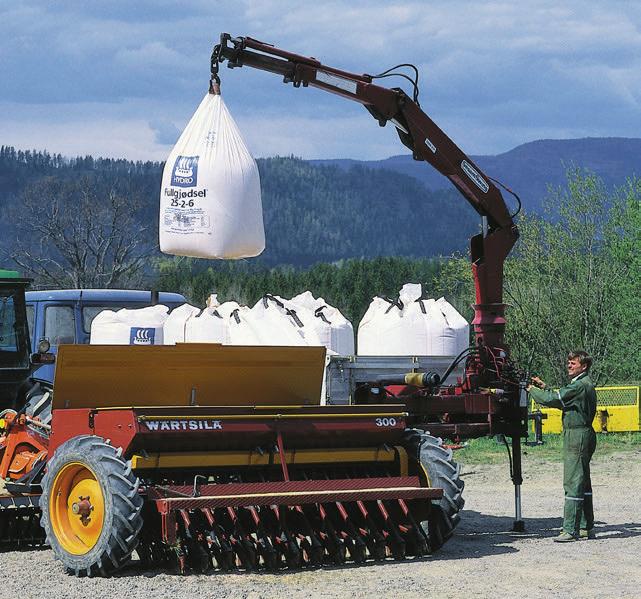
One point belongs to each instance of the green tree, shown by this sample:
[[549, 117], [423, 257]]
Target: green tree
[[624, 361], [572, 281], [348, 284], [455, 283], [567, 279]]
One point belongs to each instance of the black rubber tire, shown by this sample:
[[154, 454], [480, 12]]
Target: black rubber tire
[[443, 473], [122, 506]]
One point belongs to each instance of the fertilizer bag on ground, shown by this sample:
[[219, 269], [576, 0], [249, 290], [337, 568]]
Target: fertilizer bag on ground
[[210, 204]]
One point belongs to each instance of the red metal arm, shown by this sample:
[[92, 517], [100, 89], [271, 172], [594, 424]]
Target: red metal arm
[[426, 140]]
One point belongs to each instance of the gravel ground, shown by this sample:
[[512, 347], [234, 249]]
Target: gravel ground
[[483, 559]]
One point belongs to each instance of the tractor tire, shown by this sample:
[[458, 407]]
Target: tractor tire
[[443, 473], [91, 508]]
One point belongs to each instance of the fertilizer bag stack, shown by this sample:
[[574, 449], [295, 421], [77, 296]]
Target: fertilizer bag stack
[[210, 203], [455, 334]]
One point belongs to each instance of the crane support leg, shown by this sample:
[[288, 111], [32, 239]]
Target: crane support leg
[[517, 479]]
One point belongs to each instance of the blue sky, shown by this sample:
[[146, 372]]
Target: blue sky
[[121, 79]]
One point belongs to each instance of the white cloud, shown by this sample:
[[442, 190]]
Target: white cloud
[[166, 132], [75, 130], [311, 138], [132, 139], [151, 55], [493, 73]]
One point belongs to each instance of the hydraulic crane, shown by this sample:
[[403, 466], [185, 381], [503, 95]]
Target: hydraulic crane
[[488, 366]]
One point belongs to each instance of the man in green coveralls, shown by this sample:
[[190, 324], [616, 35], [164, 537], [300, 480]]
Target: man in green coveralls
[[578, 402]]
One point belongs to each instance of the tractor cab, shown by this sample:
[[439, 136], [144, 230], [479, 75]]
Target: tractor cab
[[15, 350]]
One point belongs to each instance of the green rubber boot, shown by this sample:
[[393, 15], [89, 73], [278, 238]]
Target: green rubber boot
[[565, 537]]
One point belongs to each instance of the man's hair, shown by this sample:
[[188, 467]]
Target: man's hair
[[582, 356]]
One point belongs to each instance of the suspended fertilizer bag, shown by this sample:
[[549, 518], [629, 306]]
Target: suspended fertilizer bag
[[210, 204], [143, 326]]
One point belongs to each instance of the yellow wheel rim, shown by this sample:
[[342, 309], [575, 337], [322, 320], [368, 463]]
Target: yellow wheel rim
[[76, 508]]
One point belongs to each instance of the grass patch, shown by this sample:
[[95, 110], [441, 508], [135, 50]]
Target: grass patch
[[487, 451]]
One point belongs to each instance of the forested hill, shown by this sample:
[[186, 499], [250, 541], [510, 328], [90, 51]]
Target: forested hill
[[530, 168], [312, 213], [318, 211]]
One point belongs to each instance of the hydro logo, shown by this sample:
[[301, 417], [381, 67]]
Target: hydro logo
[[142, 336], [185, 171]]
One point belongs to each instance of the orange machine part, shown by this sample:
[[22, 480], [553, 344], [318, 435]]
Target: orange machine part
[[20, 448]]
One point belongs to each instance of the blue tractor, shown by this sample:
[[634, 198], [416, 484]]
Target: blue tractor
[[65, 315]]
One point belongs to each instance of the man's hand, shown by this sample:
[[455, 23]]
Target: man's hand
[[537, 382]]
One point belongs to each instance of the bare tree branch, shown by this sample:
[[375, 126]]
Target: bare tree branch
[[80, 233]]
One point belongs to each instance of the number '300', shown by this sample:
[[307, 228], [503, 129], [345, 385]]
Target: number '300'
[[386, 422]]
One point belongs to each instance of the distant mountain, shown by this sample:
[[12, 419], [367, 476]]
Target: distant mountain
[[529, 168], [312, 213], [327, 210]]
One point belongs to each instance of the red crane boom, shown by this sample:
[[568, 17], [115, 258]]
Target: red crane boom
[[427, 142]]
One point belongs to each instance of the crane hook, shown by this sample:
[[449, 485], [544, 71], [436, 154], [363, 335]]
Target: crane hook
[[214, 81]]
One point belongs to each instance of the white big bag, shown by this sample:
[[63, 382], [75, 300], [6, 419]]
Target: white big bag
[[174, 327], [142, 326], [208, 327], [412, 326], [334, 331], [210, 204]]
